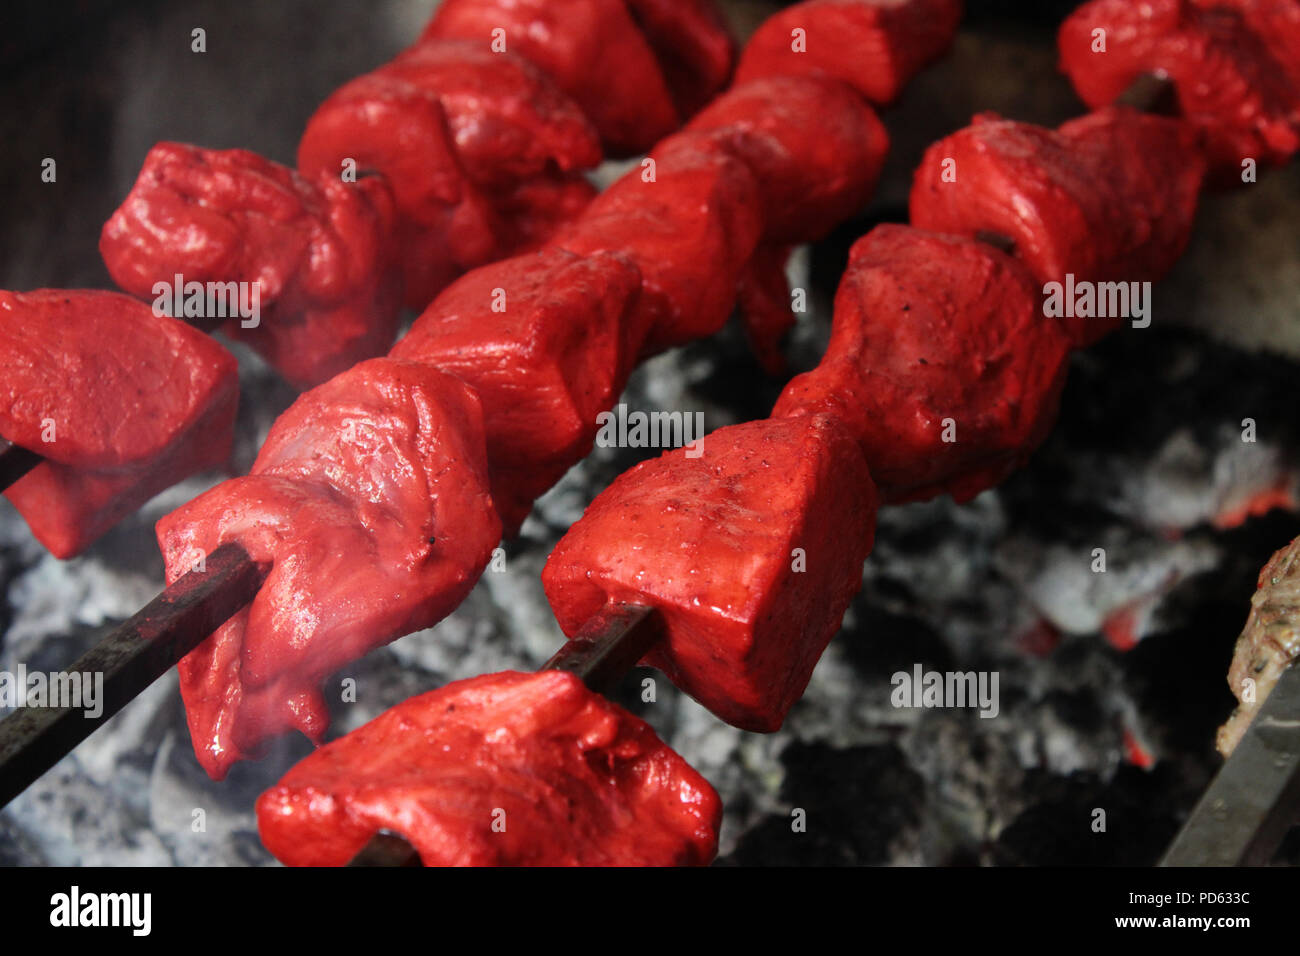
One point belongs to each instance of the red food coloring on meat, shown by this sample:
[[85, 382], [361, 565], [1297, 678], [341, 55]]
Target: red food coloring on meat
[[134, 402], [505, 769]]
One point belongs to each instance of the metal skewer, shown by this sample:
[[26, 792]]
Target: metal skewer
[[600, 655], [1242, 817], [33, 739]]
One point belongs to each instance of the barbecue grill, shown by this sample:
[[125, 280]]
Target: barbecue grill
[[1110, 685]]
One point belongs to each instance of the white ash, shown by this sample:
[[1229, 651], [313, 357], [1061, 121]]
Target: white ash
[[1189, 482], [1061, 582]]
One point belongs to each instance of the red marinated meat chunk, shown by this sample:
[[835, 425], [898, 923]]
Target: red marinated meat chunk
[[1151, 194], [694, 47], [765, 308], [450, 110], [1235, 66], [508, 119], [505, 769], [133, 402], [690, 230], [931, 327], [389, 125], [814, 146], [547, 342], [320, 253], [593, 51], [751, 551], [369, 503], [1108, 197], [534, 211], [875, 46]]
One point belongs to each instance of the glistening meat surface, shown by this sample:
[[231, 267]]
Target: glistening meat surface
[[693, 45], [509, 121], [929, 330], [1235, 66], [504, 769], [689, 226], [319, 251], [593, 51], [369, 504], [547, 341], [399, 129], [875, 46], [458, 131], [816, 150], [120, 402], [1108, 197], [815, 147], [751, 552]]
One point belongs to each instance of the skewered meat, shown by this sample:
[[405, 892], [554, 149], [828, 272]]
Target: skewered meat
[[121, 402], [814, 146], [817, 151], [931, 328], [388, 124], [751, 552], [480, 148], [457, 130], [1109, 197], [319, 253], [688, 225], [531, 213], [593, 51], [369, 501], [1268, 645], [690, 230], [503, 769], [547, 341], [509, 121], [875, 46], [763, 297], [1234, 64], [693, 45]]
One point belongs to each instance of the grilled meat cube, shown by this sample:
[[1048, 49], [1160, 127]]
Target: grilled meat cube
[[547, 341], [875, 46], [320, 252], [751, 551], [369, 503], [503, 769], [121, 403], [693, 45], [390, 125], [1234, 65], [1108, 197], [592, 49], [929, 328], [690, 229], [815, 148], [509, 121]]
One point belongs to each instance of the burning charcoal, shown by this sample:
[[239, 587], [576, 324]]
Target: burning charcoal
[[1111, 585], [886, 804]]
